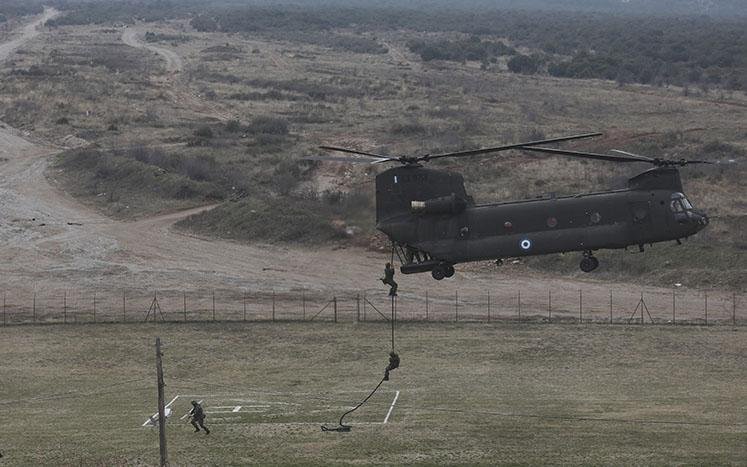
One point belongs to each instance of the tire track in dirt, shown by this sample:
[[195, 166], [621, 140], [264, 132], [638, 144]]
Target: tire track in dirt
[[178, 92]]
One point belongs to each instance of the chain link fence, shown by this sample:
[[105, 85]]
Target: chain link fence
[[70, 306]]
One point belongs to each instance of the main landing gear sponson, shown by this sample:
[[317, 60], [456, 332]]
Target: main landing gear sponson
[[589, 262], [442, 270]]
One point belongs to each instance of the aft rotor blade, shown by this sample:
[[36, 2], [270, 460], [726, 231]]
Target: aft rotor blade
[[359, 153], [351, 160], [475, 152], [591, 155]]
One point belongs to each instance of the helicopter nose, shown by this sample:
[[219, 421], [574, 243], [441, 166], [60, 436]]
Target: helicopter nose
[[699, 219]]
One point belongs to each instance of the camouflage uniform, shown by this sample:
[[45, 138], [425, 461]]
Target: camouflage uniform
[[388, 279], [198, 417]]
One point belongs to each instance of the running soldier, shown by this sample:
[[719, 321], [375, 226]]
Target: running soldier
[[198, 417]]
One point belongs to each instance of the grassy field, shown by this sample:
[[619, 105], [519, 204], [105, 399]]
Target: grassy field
[[469, 393]]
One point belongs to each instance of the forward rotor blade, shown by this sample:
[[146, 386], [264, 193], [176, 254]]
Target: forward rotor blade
[[475, 152], [626, 153], [350, 160], [359, 153], [591, 155]]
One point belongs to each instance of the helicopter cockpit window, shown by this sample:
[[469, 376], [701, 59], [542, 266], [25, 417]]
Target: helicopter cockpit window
[[679, 203]]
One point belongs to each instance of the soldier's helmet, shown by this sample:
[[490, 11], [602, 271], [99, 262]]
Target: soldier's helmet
[[194, 402]]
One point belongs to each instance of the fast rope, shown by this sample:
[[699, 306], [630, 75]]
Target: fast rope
[[393, 364]]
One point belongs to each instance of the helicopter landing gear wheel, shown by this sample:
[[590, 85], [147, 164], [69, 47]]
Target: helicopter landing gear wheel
[[442, 270], [589, 262], [438, 273]]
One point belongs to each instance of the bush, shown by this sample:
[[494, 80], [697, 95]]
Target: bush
[[268, 125], [524, 64], [204, 132], [233, 126]]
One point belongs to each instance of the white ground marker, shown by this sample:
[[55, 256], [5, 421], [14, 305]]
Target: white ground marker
[[391, 407], [237, 408], [153, 419]]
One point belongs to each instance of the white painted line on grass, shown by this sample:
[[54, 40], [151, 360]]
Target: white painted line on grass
[[391, 407]]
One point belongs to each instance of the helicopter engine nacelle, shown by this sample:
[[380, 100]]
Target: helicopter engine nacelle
[[451, 204]]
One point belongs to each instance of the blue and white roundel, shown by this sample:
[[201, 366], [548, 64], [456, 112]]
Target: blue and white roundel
[[525, 244]]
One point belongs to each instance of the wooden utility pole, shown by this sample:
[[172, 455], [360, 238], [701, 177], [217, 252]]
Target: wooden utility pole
[[161, 409]]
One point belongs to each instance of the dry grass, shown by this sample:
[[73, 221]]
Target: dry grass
[[470, 393]]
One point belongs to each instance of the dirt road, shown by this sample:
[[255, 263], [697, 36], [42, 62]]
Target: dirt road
[[174, 62], [26, 33], [49, 241]]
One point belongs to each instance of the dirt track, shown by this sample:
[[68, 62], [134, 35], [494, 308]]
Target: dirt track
[[51, 242]]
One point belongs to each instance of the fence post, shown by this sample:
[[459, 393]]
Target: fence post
[[334, 300], [456, 305], [358, 307], [580, 307], [519, 302], [64, 308], [184, 304], [364, 306], [303, 305], [94, 307], [610, 306], [213, 304], [34, 308], [549, 305], [244, 302], [734, 308], [674, 308], [488, 306], [705, 296], [273, 304], [426, 305]]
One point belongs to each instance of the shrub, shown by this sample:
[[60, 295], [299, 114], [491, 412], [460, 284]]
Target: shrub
[[204, 132], [524, 64], [268, 125], [233, 126]]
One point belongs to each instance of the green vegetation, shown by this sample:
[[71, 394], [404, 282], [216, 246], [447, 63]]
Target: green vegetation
[[151, 36], [141, 179], [473, 48], [474, 393]]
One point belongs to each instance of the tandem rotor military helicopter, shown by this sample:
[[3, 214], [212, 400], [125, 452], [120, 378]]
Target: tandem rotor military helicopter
[[434, 224]]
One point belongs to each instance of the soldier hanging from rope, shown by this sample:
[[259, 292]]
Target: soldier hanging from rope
[[388, 279]]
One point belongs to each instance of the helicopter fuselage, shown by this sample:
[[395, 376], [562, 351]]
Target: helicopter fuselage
[[435, 225]]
